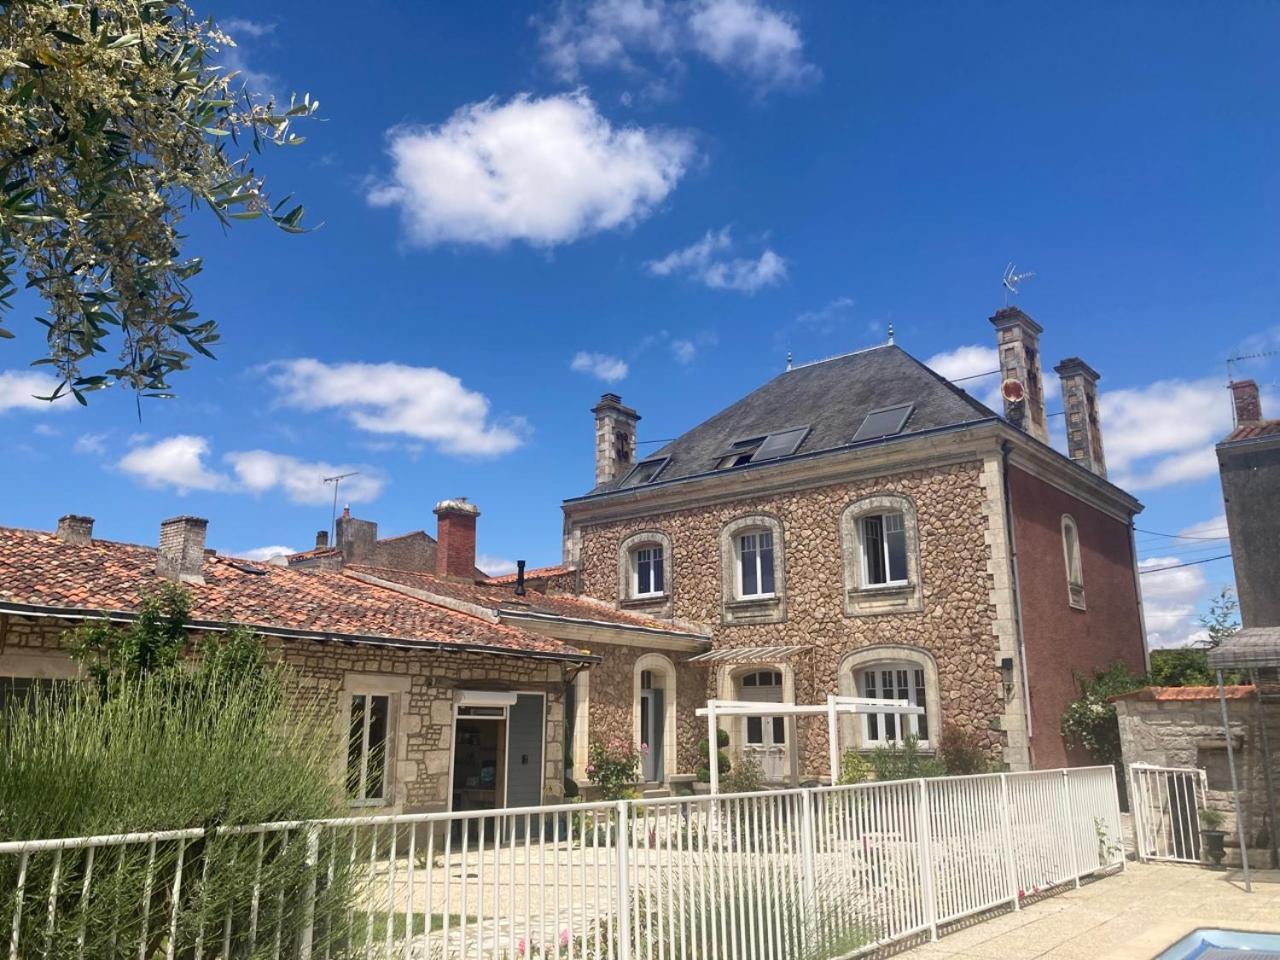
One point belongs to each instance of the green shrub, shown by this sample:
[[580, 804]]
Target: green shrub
[[962, 752], [904, 761], [613, 767], [745, 777], [853, 768], [722, 757], [1090, 720]]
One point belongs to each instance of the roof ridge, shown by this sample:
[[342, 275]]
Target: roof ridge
[[838, 356]]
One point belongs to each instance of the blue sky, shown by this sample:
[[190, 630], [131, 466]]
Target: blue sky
[[523, 206]]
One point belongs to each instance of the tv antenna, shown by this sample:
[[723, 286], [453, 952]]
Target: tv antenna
[[333, 517], [1011, 279], [1231, 374]]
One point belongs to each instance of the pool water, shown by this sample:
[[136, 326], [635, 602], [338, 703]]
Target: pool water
[[1224, 945]]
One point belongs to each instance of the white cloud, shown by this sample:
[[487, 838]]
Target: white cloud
[[241, 26], [602, 366], [177, 462], [749, 38], [90, 443], [235, 56], [393, 398], [258, 471], [262, 554], [684, 351], [1163, 433], [495, 566], [20, 388], [707, 261], [649, 39], [966, 361], [1169, 600], [545, 171], [1215, 528]]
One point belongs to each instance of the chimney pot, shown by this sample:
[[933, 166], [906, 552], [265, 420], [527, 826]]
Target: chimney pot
[[520, 589], [1080, 405], [181, 554], [322, 539], [1247, 401], [615, 437], [1018, 345], [456, 538], [75, 529]]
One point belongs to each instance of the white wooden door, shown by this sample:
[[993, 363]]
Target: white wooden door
[[765, 738]]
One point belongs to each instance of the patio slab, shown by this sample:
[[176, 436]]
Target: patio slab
[[1130, 916]]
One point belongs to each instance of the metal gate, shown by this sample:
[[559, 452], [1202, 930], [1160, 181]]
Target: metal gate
[[1166, 804]]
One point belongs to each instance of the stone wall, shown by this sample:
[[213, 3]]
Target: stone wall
[[424, 683], [1188, 733], [955, 624]]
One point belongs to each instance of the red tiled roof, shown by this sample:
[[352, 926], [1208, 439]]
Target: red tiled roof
[[503, 598], [312, 553], [1254, 430], [1241, 692], [40, 571], [536, 573]]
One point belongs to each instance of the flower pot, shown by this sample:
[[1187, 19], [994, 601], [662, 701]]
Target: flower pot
[[1213, 845]]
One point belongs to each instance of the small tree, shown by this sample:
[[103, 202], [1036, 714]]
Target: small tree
[[1090, 720], [1220, 622], [118, 119]]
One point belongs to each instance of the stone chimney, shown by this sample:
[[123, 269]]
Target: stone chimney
[[356, 538], [322, 539], [1080, 403], [181, 554], [1018, 343], [74, 529], [615, 438], [1248, 404], [456, 539]]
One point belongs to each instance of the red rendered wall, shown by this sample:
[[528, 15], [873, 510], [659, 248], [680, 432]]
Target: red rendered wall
[[1060, 640]]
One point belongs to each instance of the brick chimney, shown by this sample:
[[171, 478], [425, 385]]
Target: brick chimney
[[181, 554], [1248, 404], [1018, 343], [1080, 402], [615, 438], [456, 539], [75, 529], [322, 539]]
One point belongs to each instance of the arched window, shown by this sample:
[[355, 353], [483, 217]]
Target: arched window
[[644, 568], [881, 556], [1071, 557], [892, 672], [752, 569]]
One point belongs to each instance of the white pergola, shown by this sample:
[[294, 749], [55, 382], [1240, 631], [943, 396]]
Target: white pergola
[[833, 708]]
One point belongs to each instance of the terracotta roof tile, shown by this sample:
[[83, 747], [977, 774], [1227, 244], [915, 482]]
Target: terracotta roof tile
[[1254, 430], [37, 569], [1241, 692], [535, 573]]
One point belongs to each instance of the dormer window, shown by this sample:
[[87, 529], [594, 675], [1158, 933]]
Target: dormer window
[[772, 446], [648, 574], [646, 471], [740, 453]]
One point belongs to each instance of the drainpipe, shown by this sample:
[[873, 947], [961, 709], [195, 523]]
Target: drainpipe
[[1137, 587], [1005, 447]]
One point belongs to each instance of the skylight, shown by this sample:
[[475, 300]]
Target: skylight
[[885, 422], [646, 471], [781, 444]]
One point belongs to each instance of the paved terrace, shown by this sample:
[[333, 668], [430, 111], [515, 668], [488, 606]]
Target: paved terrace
[[1130, 916]]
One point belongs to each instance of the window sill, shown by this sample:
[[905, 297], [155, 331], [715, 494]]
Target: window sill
[[648, 601], [883, 598], [753, 609]]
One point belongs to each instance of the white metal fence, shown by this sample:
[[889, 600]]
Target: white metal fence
[[1166, 804], [811, 873]]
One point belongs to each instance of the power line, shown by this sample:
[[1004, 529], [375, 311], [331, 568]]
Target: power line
[[1177, 536], [1175, 566], [975, 376]]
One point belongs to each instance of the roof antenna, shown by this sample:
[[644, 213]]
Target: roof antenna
[[1011, 279], [788, 359], [333, 517], [890, 333]]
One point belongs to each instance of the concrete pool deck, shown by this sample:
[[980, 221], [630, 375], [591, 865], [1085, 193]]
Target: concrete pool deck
[[1129, 916]]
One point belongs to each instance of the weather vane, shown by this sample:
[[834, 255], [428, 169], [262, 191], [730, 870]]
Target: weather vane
[[1011, 279]]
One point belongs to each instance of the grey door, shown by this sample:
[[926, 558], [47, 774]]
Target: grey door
[[524, 750], [651, 731]]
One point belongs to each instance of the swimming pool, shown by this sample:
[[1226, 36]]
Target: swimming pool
[[1224, 945]]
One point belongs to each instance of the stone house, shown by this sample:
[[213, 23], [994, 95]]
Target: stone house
[[862, 526], [435, 705]]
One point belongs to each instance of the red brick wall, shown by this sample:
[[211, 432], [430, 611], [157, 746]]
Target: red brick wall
[[456, 546], [1062, 641]]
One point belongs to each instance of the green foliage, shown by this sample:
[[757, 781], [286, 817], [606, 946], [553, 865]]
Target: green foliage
[[962, 751], [904, 761], [1212, 818], [613, 767], [853, 768], [1090, 721], [1221, 621], [745, 777], [1181, 667], [117, 119], [722, 757]]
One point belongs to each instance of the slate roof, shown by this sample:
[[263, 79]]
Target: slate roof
[[831, 398], [503, 598], [40, 572]]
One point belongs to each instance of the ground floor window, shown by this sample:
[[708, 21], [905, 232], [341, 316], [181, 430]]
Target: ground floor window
[[894, 681], [367, 747]]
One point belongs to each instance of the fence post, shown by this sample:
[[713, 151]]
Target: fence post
[[924, 834], [624, 882], [1119, 823], [1071, 828], [1006, 824], [309, 896], [809, 828]]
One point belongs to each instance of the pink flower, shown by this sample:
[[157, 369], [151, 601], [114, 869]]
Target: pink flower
[[591, 768], [564, 937], [521, 946]]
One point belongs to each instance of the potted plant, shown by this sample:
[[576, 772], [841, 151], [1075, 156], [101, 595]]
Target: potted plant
[[1211, 821]]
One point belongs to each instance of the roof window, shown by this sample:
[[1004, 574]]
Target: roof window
[[885, 422]]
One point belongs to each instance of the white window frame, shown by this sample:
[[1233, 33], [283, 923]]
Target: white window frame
[[740, 548], [1073, 561], [657, 602], [656, 560], [362, 798], [917, 688], [884, 548]]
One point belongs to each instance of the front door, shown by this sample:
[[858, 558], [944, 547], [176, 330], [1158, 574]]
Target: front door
[[765, 738], [651, 729]]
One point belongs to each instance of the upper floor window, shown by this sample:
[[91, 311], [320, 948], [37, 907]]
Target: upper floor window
[[894, 681], [884, 549], [1071, 556], [647, 571], [755, 564]]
